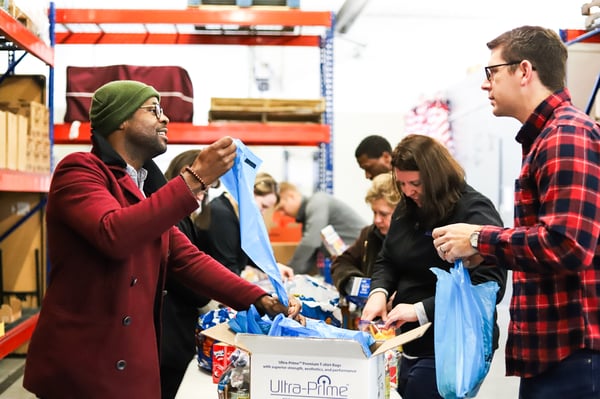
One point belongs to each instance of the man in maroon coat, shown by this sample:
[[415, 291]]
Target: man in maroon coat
[[111, 241]]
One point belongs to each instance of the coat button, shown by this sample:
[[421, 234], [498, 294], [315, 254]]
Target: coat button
[[126, 320], [165, 292], [121, 364], [134, 281]]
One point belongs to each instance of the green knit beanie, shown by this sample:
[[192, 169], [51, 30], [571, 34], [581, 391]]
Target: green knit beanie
[[115, 102]]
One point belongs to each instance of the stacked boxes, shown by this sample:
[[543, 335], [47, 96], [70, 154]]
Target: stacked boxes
[[24, 136]]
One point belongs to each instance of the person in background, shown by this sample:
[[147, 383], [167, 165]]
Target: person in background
[[314, 213], [434, 193], [225, 243], [358, 259], [112, 240], [180, 304], [374, 156], [554, 331]]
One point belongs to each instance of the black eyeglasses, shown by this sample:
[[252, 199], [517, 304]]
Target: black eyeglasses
[[489, 69], [156, 109]]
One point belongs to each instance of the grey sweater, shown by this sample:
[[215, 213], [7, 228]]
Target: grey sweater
[[315, 213]]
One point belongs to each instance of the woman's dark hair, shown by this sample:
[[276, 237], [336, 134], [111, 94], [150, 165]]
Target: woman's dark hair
[[182, 160], [442, 178]]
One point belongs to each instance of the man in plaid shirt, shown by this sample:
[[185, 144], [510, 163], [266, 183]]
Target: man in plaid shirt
[[554, 333]]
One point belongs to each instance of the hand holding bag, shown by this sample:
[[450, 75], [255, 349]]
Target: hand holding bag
[[463, 329]]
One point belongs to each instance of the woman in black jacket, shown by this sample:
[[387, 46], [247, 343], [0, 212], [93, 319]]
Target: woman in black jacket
[[434, 193]]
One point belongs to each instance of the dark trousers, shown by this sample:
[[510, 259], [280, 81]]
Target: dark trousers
[[416, 379], [577, 377]]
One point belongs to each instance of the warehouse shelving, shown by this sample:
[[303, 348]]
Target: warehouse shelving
[[16, 37], [250, 26]]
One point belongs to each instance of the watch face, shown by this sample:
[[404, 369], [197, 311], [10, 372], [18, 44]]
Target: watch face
[[474, 239]]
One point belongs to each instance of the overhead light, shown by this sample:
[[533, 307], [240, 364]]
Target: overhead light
[[348, 13]]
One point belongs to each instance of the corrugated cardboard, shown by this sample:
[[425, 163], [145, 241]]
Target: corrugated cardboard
[[3, 138], [284, 367], [23, 88]]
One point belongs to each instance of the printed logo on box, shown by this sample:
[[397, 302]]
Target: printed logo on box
[[322, 387]]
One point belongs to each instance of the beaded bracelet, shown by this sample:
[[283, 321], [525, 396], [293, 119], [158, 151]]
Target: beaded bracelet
[[203, 185]]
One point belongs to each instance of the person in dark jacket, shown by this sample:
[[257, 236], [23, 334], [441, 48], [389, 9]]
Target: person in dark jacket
[[224, 239], [112, 240], [181, 305], [358, 259], [434, 193]]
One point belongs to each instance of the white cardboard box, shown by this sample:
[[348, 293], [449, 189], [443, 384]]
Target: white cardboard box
[[293, 367]]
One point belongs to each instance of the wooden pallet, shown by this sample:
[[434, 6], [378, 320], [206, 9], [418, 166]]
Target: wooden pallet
[[12, 9], [266, 110], [245, 3]]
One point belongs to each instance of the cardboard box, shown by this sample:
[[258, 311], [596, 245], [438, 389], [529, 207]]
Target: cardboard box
[[23, 88], [284, 367], [12, 140], [284, 251], [3, 140]]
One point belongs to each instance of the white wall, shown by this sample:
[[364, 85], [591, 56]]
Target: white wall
[[395, 54]]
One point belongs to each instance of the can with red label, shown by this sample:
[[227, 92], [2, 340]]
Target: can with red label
[[220, 359]]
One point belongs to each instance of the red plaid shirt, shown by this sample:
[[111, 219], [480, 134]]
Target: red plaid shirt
[[553, 247]]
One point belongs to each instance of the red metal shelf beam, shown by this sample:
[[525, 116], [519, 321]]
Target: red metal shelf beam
[[17, 336], [184, 38], [24, 38], [16, 181], [215, 16], [196, 16], [250, 133]]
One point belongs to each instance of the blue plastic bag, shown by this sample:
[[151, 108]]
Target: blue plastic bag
[[464, 325]]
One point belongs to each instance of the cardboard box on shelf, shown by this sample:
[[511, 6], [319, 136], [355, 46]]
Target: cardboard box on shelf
[[23, 88], [281, 367], [3, 140], [12, 311], [283, 251]]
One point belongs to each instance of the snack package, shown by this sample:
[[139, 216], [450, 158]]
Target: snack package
[[332, 241], [377, 329], [205, 344]]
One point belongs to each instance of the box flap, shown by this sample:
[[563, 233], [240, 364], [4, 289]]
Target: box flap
[[318, 346], [402, 339], [222, 333], [302, 346]]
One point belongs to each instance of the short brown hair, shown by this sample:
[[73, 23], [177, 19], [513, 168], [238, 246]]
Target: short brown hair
[[540, 46]]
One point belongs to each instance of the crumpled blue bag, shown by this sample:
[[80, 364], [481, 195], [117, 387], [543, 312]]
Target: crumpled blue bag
[[239, 181], [281, 326], [464, 320]]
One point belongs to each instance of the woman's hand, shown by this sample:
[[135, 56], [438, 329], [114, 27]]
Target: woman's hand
[[402, 313], [294, 309], [287, 273], [375, 307]]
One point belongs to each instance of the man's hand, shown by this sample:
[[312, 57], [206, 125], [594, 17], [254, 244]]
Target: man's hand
[[216, 159], [269, 305], [453, 241]]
